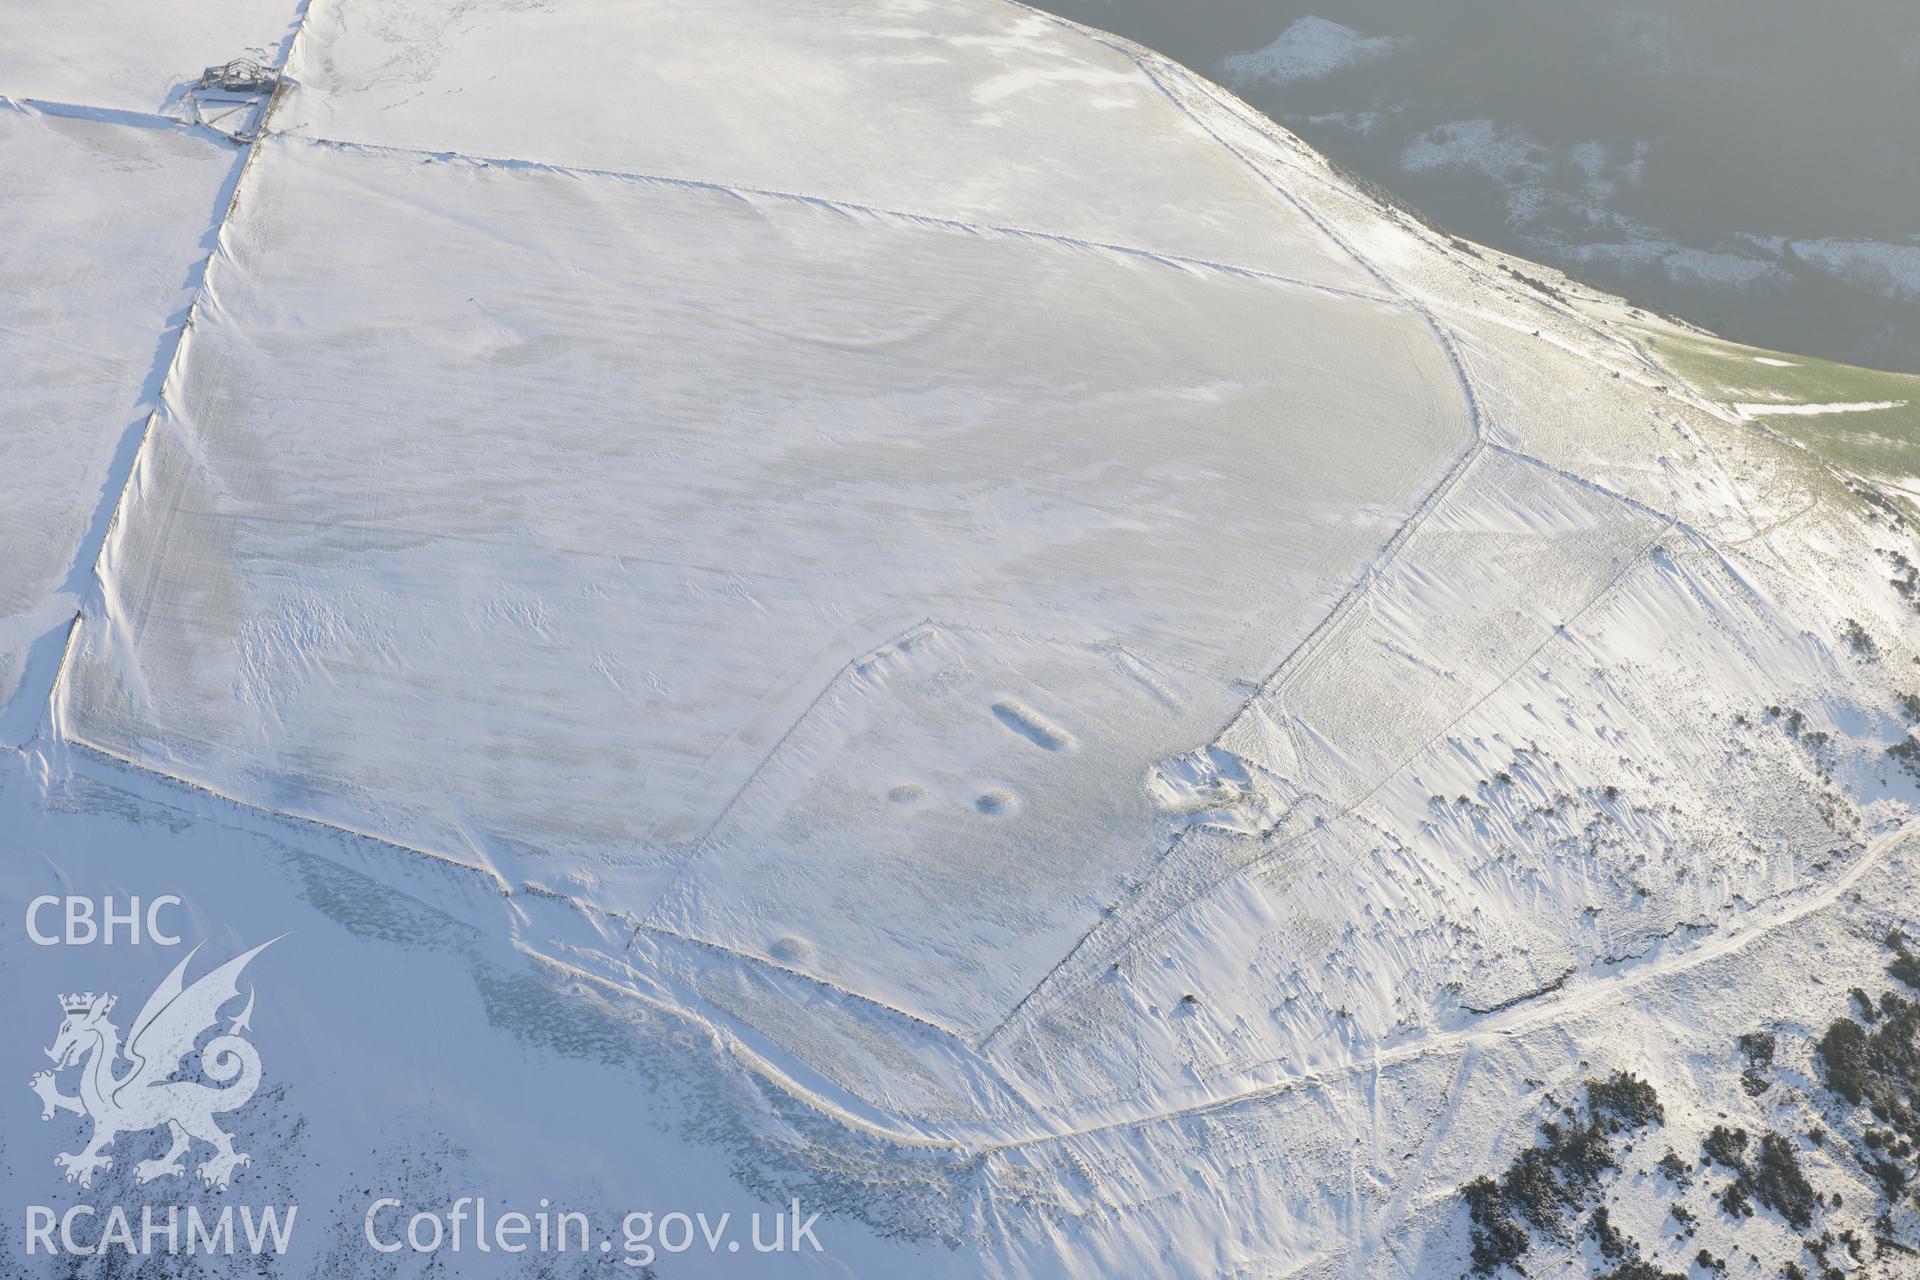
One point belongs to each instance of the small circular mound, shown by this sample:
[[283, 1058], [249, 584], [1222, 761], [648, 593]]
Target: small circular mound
[[791, 948], [997, 802]]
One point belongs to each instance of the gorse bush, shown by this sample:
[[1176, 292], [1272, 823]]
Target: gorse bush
[[1624, 1100], [1550, 1184]]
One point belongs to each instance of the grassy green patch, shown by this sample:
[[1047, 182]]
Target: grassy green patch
[[1880, 443]]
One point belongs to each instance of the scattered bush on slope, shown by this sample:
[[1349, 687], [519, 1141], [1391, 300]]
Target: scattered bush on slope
[[1553, 1182], [1875, 1063]]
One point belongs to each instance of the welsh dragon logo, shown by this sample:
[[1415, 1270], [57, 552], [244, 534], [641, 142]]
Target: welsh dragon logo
[[148, 1094]]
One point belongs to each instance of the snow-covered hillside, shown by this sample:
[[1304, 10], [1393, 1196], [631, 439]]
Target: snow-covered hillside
[[906, 606]]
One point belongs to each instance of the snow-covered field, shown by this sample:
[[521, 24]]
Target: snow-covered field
[[763, 450], [103, 228], [131, 56], [978, 113], [902, 606]]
